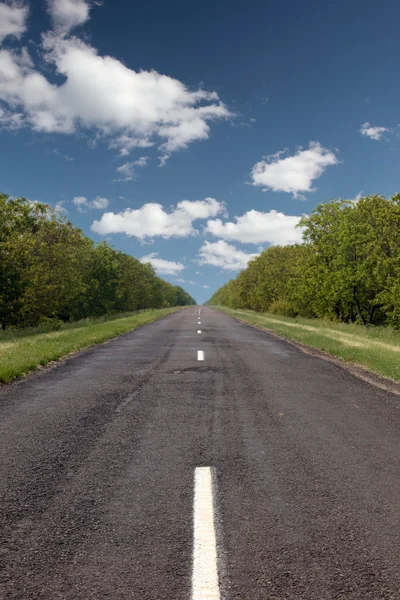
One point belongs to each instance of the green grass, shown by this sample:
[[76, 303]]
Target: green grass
[[22, 351], [377, 348]]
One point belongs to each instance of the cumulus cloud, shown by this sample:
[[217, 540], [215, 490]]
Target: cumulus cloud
[[374, 133], [84, 204], [101, 94], [68, 14], [255, 227], [162, 266], [293, 174], [128, 170], [13, 17], [206, 287], [224, 255], [151, 220]]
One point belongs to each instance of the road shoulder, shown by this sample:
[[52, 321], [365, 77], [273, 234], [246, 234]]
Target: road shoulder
[[359, 371]]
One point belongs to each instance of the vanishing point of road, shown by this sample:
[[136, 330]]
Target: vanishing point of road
[[198, 457]]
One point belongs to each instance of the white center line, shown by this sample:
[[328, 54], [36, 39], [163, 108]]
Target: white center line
[[205, 571], [200, 355], [199, 322], [199, 331]]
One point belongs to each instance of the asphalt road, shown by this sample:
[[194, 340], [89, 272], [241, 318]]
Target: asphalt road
[[98, 460]]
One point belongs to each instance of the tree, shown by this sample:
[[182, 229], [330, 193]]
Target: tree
[[49, 270], [348, 267]]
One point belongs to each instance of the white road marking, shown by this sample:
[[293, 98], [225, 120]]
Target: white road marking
[[205, 571], [200, 355], [199, 331], [199, 322]]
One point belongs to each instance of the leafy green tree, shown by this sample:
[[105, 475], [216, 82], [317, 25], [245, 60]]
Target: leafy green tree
[[20, 222], [357, 247], [49, 270], [348, 267], [54, 274]]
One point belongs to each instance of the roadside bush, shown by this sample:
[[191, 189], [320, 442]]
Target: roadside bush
[[283, 307]]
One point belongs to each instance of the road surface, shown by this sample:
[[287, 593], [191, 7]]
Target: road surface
[[173, 464]]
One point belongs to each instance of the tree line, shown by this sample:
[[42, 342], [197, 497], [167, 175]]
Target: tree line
[[346, 269], [49, 270]]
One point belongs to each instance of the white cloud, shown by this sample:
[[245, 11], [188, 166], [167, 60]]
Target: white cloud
[[141, 162], [60, 208], [186, 281], [152, 220], [255, 227], [293, 174], [163, 160], [162, 266], [206, 287], [10, 120], [68, 14], [374, 133], [13, 17], [99, 202], [128, 170], [126, 143], [101, 94], [224, 255], [80, 201], [83, 203]]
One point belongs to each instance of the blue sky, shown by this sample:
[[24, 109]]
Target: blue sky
[[195, 133]]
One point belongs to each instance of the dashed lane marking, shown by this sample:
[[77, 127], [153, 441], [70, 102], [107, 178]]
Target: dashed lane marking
[[200, 355], [205, 584]]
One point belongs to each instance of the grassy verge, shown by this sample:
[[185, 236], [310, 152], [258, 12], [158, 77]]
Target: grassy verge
[[377, 348], [22, 351]]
